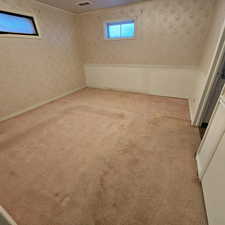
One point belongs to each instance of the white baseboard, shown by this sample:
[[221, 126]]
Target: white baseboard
[[39, 104], [199, 168], [7, 216], [191, 112], [128, 90]]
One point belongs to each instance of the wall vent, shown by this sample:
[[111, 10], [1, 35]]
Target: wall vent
[[84, 3], [5, 218]]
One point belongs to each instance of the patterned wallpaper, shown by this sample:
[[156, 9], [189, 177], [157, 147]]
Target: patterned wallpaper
[[169, 32], [35, 70], [214, 35]]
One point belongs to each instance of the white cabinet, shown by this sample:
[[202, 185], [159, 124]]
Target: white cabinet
[[211, 166], [213, 184]]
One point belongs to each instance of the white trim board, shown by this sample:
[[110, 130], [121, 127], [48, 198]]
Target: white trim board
[[199, 168], [146, 66], [171, 81], [209, 78], [130, 91], [7, 216], [191, 110], [39, 104]]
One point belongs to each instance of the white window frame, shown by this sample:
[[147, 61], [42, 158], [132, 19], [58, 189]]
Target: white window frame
[[105, 27], [22, 12]]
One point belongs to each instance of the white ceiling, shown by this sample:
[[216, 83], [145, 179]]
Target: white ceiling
[[71, 5]]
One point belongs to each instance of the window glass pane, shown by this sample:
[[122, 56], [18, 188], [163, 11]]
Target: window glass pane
[[16, 24], [114, 31], [127, 30], [120, 30]]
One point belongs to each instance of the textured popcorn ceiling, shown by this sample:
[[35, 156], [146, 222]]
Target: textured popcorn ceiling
[[71, 5]]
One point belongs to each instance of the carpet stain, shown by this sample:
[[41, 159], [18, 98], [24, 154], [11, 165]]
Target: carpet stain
[[65, 200], [100, 112]]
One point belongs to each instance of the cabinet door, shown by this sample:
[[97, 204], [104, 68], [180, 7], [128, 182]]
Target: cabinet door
[[211, 139], [213, 184]]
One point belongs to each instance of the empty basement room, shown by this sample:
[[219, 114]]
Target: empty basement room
[[112, 112]]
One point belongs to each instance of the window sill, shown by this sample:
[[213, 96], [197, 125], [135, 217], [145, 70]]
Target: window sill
[[119, 39], [20, 36]]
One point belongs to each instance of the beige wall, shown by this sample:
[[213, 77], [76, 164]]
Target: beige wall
[[170, 32], [36, 70], [213, 36]]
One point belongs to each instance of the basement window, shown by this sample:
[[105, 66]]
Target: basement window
[[16, 24], [120, 30]]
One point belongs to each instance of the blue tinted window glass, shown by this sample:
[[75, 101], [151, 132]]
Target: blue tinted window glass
[[114, 30], [10, 23], [127, 30], [122, 29]]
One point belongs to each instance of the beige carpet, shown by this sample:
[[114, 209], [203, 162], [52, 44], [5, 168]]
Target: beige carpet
[[102, 158]]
